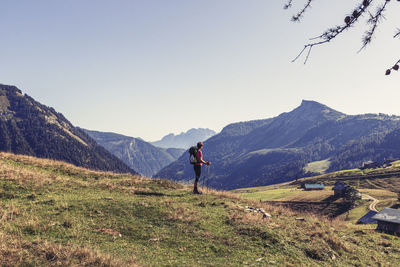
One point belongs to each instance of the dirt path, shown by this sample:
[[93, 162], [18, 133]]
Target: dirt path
[[375, 201]]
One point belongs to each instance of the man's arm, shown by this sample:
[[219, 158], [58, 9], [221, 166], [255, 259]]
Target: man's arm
[[202, 161]]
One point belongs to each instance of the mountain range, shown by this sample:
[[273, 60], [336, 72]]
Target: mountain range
[[30, 128], [184, 140], [279, 149], [136, 153], [244, 154]]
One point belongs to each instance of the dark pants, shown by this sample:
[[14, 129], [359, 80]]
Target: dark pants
[[197, 171]]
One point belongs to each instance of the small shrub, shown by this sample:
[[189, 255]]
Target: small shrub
[[31, 196], [67, 223], [385, 244], [316, 254], [336, 244]]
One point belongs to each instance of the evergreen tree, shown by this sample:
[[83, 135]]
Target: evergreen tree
[[351, 196]]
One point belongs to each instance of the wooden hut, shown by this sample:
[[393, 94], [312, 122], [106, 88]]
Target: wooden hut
[[340, 189], [370, 165], [388, 220], [388, 162]]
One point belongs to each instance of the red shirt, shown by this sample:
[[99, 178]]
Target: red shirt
[[199, 158]]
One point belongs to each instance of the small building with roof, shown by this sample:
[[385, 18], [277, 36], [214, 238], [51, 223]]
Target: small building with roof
[[388, 162], [370, 165], [367, 218], [340, 188], [313, 187], [388, 220]]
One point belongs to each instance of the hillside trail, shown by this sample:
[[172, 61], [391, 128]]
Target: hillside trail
[[375, 201]]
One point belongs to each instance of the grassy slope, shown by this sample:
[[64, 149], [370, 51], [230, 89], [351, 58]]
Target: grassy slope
[[317, 166], [53, 213]]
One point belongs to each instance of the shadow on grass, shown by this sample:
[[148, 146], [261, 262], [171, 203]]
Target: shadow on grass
[[145, 193], [330, 199], [157, 194], [395, 206]]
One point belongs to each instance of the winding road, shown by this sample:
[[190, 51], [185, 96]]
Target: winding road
[[375, 201]]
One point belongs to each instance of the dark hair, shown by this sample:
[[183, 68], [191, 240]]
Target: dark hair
[[199, 144]]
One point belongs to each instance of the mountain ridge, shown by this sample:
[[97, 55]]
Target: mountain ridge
[[277, 149], [136, 153], [185, 139]]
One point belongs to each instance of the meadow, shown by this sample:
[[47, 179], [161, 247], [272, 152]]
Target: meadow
[[56, 214]]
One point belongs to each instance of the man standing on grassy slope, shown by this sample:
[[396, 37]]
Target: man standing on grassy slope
[[197, 166]]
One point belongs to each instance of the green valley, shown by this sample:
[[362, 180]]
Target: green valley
[[380, 183]]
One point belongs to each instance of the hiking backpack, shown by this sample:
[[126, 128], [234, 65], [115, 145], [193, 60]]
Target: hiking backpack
[[192, 154]]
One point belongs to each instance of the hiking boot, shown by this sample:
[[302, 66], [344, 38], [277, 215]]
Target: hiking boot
[[195, 191]]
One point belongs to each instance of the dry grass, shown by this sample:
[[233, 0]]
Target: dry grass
[[249, 218], [319, 242], [183, 214], [46, 172], [220, 194], [109, 232], [28, 176], [379, 193], [60, 166], [309, 196], [14, 250], [8, 212]]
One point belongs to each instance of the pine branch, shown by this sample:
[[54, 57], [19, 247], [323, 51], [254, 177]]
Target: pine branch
[[374, 20], [397, 33], [302, 11], [350, 20], [288, 4], [332, 33]]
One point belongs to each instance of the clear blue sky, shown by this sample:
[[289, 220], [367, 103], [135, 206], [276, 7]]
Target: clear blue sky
[[147, 68]]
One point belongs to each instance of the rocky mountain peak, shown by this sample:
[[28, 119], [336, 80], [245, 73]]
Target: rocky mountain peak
[[312, 110], [184, 139], [9, 88], [311, 103]]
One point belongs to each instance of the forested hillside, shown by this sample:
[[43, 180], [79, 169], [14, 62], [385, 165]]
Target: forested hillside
[[30, 128]]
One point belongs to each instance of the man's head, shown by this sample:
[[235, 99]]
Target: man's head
[[199, 145]]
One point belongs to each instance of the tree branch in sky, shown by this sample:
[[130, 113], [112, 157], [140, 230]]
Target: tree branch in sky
[[350, 20]]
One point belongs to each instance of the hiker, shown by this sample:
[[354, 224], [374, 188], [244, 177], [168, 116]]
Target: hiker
[[197, 166]]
